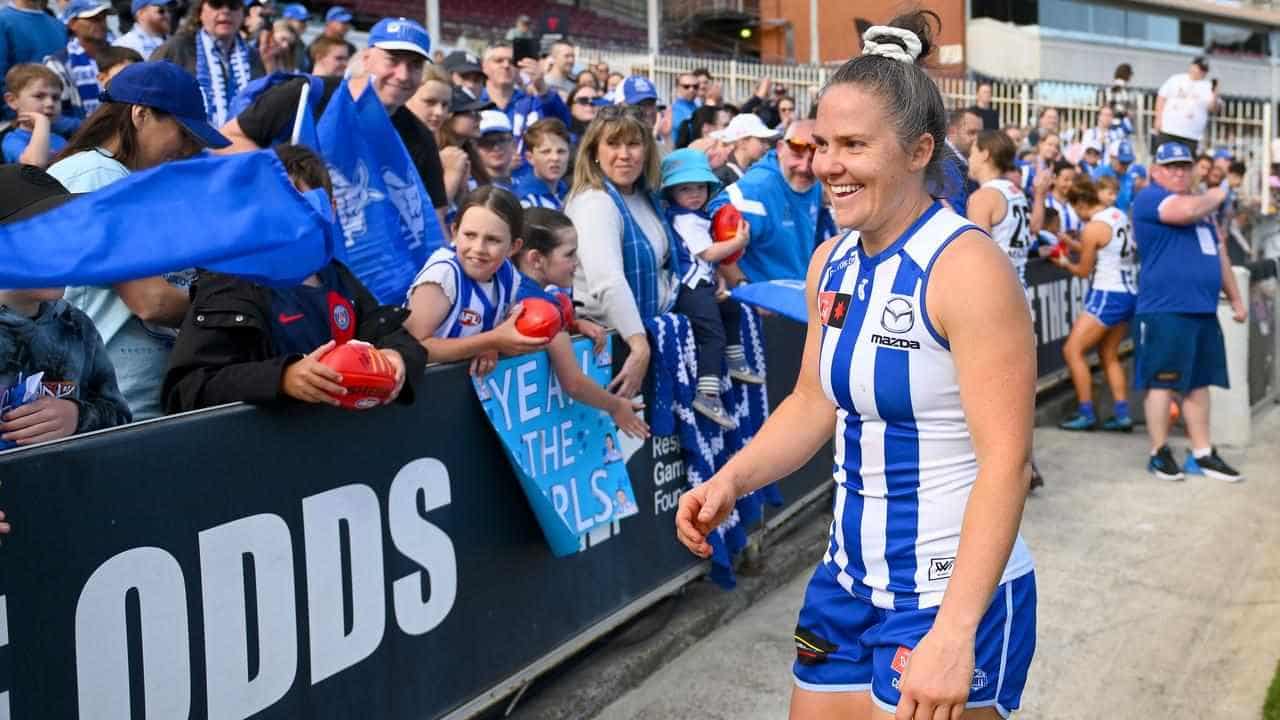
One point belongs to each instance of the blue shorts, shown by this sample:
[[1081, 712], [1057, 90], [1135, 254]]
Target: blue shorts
[[1110, 307], [1178, 351], [845, 644]]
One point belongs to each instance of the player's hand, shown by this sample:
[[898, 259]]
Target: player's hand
[[310, 380], [4, 526], [1239, 312], [701, 511], [393, 357], [40, 421], [626, 417], [938, 676]]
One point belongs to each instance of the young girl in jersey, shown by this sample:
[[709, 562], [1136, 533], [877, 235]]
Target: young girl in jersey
[[919, 363], [1108, 252], [548, 258], [1064, 175], [687, 183], [463, 303]]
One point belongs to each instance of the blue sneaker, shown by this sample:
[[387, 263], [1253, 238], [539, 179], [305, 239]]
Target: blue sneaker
[[1212, 466], [1118, 424], [1080, 423], [1163, 466]]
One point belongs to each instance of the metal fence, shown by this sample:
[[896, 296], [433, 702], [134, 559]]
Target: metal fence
[[1242, 126]]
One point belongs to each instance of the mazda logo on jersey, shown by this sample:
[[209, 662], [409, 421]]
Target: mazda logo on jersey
[[898, 315]]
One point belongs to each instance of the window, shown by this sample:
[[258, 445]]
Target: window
[[1191, 33], [1021, 12]]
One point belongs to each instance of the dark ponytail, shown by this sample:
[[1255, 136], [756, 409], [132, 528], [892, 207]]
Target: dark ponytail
[[911, 99], [498, 201]]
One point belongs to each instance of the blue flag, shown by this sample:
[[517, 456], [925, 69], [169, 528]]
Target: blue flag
[[176, 216], [386, 215], [785, 297]]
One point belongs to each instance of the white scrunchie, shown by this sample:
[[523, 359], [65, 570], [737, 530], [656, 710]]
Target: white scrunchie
[[872, 45]]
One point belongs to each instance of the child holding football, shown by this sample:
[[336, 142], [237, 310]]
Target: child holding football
[[241, 341]]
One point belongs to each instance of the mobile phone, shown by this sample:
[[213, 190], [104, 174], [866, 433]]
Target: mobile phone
[[522, 48]]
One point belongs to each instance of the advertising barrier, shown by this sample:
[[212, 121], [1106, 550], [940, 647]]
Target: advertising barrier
[[1057, 299], [310, 562]]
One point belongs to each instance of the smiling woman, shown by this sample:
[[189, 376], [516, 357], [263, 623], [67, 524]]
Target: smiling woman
[[905, 364]]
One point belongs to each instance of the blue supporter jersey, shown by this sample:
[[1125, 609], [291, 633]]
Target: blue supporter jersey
[[524, 110], [27, 36], [16, 140], [1179, 269], [534, 192], [786, 226]]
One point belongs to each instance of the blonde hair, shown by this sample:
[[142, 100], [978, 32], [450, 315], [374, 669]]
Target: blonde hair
[[614, 127], [434, 73]]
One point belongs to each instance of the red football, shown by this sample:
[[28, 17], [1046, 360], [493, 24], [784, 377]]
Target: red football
[[566, 309], [1058, 251], [724, 226], [368, 376], [539, 318]]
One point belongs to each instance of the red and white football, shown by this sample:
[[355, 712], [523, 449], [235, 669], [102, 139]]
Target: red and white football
[[724, 227], [539, 318], [366, 374]]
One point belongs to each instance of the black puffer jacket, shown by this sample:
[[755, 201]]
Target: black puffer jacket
[[224, 352]]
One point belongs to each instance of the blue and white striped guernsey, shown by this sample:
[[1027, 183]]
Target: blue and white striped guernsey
[[904, 461], [478, 307]]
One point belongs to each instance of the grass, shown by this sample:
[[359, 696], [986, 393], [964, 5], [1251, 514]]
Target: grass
[[1271, 707]]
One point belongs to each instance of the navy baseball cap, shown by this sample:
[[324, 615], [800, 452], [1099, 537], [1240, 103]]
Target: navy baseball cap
[[84, 9], [139, 4], [1173, 152], [294, 11], [400, 34], [337, 13], [635, 90], [1223, 154], [168, 88], [1124, 151]]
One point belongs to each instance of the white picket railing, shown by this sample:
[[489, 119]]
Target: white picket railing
[[1243, 126]]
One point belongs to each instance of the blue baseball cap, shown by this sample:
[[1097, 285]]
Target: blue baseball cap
[[84, 9], [635, 90], [1173, 152], [168, 88], [1124, 151], [1139, 170], [337, 13], [688, 166], [139, 4], [1223, 154], [401, 34], [294, 11]]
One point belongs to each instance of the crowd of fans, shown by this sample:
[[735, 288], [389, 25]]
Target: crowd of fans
[[547, 175]]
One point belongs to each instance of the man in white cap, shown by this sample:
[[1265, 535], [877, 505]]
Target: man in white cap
[[393, 62], [750, 139]]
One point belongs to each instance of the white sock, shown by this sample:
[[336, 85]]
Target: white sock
[[1201, 453], [709, 385]]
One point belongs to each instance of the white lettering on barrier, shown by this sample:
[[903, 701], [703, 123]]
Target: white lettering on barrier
[[264, 542], [423, 543], [102, 645], [333, 649], [526, 390]]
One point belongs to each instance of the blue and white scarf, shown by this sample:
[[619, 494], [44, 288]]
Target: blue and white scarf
[[220, 78], [705, 445], [83, 71], [639, 262]]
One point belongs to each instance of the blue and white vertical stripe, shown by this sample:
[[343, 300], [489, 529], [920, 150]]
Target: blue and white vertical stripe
[[1070, 218], [706, 446], [477, 308], [904, 461]]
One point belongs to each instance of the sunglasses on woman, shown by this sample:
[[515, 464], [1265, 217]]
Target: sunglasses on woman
[[584, 100]]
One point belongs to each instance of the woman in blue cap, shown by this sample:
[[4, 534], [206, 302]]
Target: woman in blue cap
[[687, 183], [153, 114]]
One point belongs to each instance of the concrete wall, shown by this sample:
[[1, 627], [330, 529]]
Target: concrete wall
[[1004, 50]]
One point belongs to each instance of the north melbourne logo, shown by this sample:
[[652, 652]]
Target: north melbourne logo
[[898, 316]]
